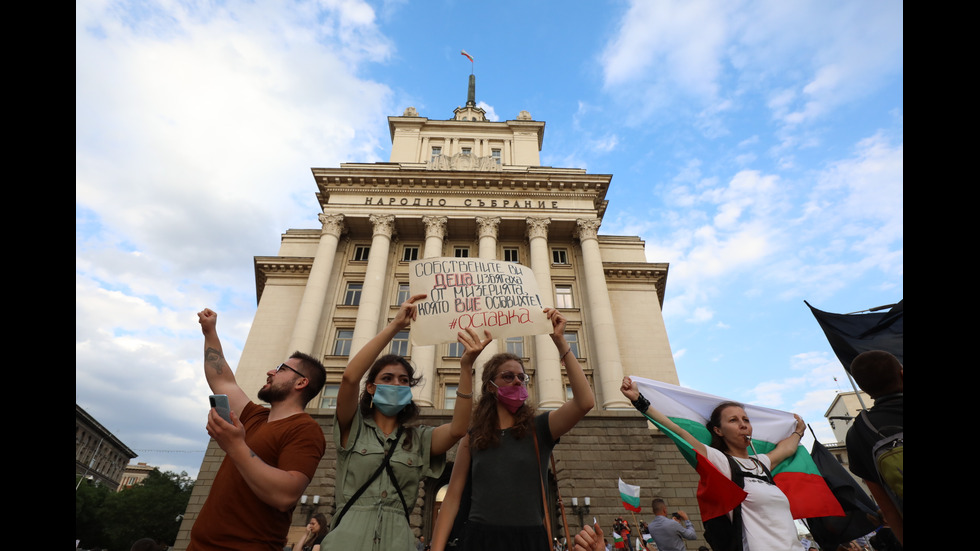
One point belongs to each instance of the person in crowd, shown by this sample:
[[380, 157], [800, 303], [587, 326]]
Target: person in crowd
[[505, 455], [271, 454], [881, 375], [381, 457], [668, 534], [766, 519], [316, 530]]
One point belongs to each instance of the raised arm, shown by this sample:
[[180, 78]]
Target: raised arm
[[787, 446], [564, 418], [216, 370], [350, 384], [632, 393], [444, 436], [450, 505]]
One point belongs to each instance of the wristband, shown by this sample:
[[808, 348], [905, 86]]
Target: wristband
[[641, 404], [461, 395]]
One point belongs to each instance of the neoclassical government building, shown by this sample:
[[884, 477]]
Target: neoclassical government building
[[470, 187]]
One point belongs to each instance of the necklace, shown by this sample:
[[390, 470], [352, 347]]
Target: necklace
[[753, 467]]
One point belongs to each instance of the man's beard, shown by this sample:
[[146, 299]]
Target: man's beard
[[273, 394]]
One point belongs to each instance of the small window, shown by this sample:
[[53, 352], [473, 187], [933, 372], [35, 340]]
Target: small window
[[563, 296], [361, 253], [449, 400], [436, 152], [515, 346], [495, 155], [353, 295], [571, 337], [341, 345], [403, 294], [399, 344], [511, 254], [329, 397], [410, 253], [461, 252], [455, 350], [466, 151], [559, 256]]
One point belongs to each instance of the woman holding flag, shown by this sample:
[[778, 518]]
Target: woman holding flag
[[506, 452], [767, 523]]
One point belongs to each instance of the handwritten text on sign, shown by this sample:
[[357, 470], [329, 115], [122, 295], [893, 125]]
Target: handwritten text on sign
[[500, 297]]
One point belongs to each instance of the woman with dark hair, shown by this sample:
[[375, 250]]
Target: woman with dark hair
[[380, 459], [767, 524], [316, 530], [507, 451]]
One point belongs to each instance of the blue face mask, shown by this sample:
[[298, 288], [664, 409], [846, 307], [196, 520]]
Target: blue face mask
[[390, 399]]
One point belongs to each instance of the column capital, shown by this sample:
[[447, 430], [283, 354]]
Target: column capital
[[333, 224], [384, 224], [537, 227], [587, 228], [486, 226], [435, 226]]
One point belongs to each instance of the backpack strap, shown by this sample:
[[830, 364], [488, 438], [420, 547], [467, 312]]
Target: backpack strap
[[384, 466]]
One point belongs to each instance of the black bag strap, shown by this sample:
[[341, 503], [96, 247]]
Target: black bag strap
[[384, 466]]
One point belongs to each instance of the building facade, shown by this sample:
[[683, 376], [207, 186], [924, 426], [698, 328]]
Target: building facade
[[470, 187], [99, 455]]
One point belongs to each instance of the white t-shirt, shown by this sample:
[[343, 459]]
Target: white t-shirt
[[766, 520]]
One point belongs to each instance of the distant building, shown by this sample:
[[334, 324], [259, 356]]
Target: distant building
[[841, 414], [134, 474], [468, 187], [99, 455]]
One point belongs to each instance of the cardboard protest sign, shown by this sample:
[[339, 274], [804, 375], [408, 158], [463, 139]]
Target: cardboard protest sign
[[501, 297]]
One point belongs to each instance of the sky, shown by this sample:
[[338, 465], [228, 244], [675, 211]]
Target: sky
[[756, 147]]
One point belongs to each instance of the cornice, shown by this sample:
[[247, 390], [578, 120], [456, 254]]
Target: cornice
[[281, 266], [639, 272]]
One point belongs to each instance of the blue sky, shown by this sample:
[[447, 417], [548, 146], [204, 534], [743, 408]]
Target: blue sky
[[757, 147]]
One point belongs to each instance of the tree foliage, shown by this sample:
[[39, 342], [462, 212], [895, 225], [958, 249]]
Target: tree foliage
[[114, 520]]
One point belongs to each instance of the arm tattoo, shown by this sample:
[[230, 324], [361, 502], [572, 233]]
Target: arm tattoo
[[214, 360]]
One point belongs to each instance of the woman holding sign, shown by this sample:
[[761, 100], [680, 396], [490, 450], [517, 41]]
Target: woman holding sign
[[380, 459], [507, 451]]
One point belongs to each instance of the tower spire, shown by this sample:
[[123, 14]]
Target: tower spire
[[471, 92]]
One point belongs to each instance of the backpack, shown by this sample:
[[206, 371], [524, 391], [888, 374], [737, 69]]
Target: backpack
[[722, 533], [888, 459]]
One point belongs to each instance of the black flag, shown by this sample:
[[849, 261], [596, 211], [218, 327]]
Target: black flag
[[851, 334], [833, 531]]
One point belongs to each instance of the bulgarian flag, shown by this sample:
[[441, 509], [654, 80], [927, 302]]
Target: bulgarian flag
[[466, 55], [618, 541], [797, 476], [630, 495]]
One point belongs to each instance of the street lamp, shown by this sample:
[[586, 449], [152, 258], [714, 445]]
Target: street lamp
[[580, 510]]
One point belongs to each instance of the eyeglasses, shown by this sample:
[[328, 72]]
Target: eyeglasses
[[282, 365], [508, 377]]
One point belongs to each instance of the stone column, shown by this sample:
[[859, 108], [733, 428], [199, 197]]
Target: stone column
[[370, 308], [486, 228], [551, 392], [307, 323], [609, 365], [424, 357]]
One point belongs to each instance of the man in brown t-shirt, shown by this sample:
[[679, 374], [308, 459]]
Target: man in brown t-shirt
[[271, 453]]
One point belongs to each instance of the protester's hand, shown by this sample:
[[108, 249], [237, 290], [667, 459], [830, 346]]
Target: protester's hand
[[472, 344], [800, 424], [227, 435], [589, 539], [557, 322], [208, 319], [682, 514], [629, 389], [408, 311]]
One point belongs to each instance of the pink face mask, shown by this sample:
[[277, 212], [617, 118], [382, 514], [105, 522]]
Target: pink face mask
[[511, 396]]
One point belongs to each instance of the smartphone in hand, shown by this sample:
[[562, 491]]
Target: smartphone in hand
[[220, 403]]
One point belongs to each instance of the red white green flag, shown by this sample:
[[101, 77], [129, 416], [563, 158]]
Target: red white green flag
[[630, 495], [797, 476], [618, 542]]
